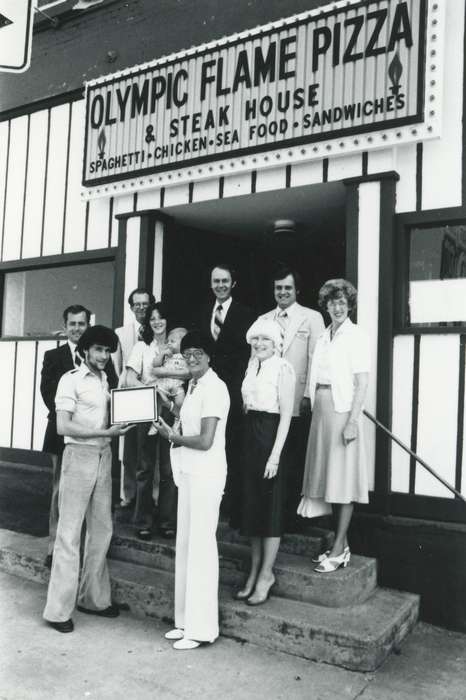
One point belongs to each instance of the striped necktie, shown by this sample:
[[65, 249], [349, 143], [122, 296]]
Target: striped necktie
[[282, 319], [77, 359], [218, 321]]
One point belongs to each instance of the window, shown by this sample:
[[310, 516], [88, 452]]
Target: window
[[34, 299], [437, 275]]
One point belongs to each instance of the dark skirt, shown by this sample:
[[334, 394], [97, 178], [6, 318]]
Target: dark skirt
[[262, 500]]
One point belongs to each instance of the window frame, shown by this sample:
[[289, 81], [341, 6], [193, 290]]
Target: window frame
[[54, 261], [405, 223]]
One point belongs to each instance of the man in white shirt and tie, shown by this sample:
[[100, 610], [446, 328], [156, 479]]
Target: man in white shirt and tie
[[299, 329], [128, 336], [56, 363]]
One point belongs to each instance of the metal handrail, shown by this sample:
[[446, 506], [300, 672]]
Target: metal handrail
[[413, 454]]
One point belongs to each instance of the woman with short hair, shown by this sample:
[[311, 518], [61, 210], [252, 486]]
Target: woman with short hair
[[268, 397], [200, 468], [335, 467]]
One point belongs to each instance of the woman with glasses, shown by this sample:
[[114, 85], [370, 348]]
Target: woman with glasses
[[200, 467], [268, 398], [140, 372], [335, 468]]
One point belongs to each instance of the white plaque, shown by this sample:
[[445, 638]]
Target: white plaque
[[134, 405]]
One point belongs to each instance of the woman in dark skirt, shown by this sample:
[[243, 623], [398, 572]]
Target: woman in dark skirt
[[268, 395]]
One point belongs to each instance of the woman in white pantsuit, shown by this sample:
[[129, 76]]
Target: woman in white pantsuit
[[199, 465]]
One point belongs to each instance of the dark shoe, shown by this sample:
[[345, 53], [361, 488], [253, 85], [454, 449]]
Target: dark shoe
[[64, 627], [112, 611], [48, 561], [167, 532], [144, 534]]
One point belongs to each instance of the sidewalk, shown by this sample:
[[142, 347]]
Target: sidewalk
[[126, 659]]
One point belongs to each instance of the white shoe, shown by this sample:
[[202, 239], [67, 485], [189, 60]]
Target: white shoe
[[186, 643], [174, 634]]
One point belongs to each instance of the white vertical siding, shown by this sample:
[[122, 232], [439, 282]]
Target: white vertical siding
[[149, 199], [56, 180], [75, 215], [15, 189], [380, 160], [273, 179], [98, 223], [4, 138], [235, 185], [403, 367], [24, 395], [437, 417], [158, 260], [132, 262], [306, 173], [444, 156], [7, 367], [179, 194], [368, 295], [345, 166], [35, 184], [205, 190], [121, 205]]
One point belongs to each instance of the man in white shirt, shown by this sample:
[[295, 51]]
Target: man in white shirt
[[56, 363], [82, 402], [299, 329], [128, 336]]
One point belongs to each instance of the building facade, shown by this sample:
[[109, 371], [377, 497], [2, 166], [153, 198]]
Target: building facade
[[128, 158]]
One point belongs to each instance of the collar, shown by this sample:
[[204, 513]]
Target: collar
[[345, 328], [290, 310], [205, 377], [224, 304], [72, 346]]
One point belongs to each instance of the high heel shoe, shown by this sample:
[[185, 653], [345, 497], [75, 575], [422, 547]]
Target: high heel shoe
[[244, 592], [260, 599], [320, 558], [330, 564]]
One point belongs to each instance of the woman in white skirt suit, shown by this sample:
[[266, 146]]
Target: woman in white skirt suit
[[335, 468], [199, 469]]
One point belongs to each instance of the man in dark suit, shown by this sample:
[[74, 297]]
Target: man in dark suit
[[56, 363], [227, 321]]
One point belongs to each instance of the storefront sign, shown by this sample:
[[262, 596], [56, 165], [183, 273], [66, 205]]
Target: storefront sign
[[346, 69]]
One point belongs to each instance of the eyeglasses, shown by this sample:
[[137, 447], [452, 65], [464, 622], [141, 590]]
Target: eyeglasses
[[197, 354], [140, 305]]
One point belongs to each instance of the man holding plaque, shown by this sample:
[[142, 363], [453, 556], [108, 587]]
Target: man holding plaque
[[82, 402]]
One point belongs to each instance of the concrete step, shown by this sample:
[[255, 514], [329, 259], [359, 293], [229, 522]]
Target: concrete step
[[295, 575], [357, 637]]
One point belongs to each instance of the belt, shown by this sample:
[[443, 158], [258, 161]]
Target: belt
[[323, 386]]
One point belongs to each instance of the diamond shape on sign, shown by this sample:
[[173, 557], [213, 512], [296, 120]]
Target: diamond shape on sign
[[4, 21]]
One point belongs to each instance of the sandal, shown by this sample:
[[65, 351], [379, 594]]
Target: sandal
[[144, 534], [330, 564]]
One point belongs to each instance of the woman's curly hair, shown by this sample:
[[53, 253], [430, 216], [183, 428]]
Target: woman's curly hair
[[333, 289]]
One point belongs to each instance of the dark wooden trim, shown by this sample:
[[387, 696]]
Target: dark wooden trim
[[463, 154], [2, 298], [432, 217], [5, 192], [419, 160], [460, 421], [67, 173], [428, 507], [352, 233], [325, 170], [253, 181], [190, 192], [110, 221], [221, 187], [365, 163], [26, 169], [288, 176], [162, 197], [13, 394], [34, 458], [373, 177], [33, 402], [146, 252], [86, 225], [59, 259], [414, 413], [45, 103], [135, 202], [119, 279], [437, 329], [383, 444], [44, 198], [401, 281]]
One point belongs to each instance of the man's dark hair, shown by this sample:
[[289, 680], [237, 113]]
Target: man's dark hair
[[76, 309], [225, 266], [198, 339], [141, 290], [283, 271], [147, 332], [97, 335]]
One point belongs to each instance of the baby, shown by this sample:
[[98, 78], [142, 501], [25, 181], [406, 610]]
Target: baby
[[172, 373]]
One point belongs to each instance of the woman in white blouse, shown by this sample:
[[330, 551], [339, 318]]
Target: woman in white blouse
[[139, 372], [335, 468], [268, 395]]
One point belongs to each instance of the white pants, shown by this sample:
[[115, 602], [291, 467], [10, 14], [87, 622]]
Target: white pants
[[85, 492], [197, 568]]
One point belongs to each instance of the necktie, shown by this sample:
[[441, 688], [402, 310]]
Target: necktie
[[77, 359], [140, 332], [218, 321], [282, 318], [192, 385]]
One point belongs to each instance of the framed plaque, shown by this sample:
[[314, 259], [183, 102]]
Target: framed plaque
[[133, 405]]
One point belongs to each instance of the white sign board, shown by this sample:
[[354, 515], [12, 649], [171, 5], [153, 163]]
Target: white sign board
[[15, 35]]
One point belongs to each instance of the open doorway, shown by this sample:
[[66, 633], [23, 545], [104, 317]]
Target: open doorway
[[241, 231]]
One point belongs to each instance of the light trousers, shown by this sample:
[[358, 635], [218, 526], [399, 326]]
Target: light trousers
[[85, 492], [196, 563]]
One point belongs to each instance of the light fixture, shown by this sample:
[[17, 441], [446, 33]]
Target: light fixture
[[284, 226], [85, 4]]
